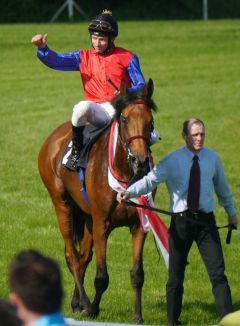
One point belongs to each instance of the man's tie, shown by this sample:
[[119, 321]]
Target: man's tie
[[194, 186]]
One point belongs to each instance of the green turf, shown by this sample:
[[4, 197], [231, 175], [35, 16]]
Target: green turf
[[195, 68]]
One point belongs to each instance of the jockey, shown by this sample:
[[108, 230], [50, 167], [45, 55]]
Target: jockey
[[101, 69]]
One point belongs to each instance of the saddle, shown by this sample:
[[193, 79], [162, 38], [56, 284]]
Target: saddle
[[90, 133]]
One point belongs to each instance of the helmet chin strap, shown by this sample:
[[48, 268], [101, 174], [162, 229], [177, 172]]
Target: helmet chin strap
[[110, 44]]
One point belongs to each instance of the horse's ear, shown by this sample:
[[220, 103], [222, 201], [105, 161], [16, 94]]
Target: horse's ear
[[148, 89], [123, 88]]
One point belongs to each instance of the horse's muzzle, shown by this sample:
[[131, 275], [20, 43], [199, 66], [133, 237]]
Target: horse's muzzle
[[139, 168]]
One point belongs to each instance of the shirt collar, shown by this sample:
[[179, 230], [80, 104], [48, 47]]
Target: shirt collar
[[190, 154]]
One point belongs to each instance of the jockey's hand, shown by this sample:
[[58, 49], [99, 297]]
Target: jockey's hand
[[233, 221], [40, 40], [121, 196]]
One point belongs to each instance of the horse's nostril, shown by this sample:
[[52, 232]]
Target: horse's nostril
[[140, 163], [134, 160]]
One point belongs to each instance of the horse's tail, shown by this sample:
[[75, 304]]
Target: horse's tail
[[78, 223]]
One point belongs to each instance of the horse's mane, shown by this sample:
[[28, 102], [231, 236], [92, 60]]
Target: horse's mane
[[120, 102]]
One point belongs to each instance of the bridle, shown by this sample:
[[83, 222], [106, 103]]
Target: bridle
[[130, 139], [127, 141]]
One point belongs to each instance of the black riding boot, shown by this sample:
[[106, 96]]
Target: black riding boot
[[77, 144]]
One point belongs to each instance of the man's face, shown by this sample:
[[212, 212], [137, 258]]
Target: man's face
[[195, 138], [100, 43]]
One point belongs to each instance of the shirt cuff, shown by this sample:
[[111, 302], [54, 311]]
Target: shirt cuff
[[132, 194], [42, 52], [231, 212]]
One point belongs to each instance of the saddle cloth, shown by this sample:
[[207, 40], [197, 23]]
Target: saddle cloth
[[90, 133]]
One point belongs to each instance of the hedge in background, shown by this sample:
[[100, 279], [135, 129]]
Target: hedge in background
[[13, 11]]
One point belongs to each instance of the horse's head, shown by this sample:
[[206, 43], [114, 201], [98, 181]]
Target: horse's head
[[134, 114]]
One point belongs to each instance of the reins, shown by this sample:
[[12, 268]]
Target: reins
[[183, 214]]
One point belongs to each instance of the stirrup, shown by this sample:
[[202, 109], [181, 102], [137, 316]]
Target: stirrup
[[72, 163]]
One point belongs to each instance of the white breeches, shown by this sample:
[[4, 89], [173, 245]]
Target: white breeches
[[93, 113], [99, 115]]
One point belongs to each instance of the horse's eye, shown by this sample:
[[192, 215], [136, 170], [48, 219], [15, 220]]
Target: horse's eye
[[124, 120]]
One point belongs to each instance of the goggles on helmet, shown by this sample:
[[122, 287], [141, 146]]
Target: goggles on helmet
[[101, 26]]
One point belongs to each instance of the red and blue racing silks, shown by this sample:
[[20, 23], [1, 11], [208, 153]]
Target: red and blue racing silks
[[95, 70]]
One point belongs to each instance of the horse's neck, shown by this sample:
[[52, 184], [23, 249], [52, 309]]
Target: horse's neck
[[120, 162]]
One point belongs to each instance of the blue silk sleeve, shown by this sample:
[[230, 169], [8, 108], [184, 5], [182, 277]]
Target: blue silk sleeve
[[60, 61], [135, 74]]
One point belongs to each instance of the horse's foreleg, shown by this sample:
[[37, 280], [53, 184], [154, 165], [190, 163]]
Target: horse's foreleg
[[101, 279], [63, 213], [85, 256], [137, 273]]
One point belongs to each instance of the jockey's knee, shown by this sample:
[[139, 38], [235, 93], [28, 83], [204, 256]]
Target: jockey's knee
[[80, 113]]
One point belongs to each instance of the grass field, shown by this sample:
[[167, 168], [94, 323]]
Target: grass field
[[195, 67]]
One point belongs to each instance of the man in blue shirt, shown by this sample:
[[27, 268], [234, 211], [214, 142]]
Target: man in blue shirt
[[174, 170], [36, 290]]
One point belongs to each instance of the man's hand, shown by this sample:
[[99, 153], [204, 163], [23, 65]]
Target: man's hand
[[40, 40], [233, 220], [121, 196]]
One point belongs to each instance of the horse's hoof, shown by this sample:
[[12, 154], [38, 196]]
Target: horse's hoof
[[138, 320], [90, 311], [76, 309], [75, 306], [85, 313], [81, 310]]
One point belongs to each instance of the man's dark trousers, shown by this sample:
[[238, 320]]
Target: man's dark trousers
[[182, 233]]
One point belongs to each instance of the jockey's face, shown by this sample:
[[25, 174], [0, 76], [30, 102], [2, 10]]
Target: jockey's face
[[100, 43]]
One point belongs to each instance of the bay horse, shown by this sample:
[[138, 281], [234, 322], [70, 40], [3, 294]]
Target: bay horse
[[89, 224]]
